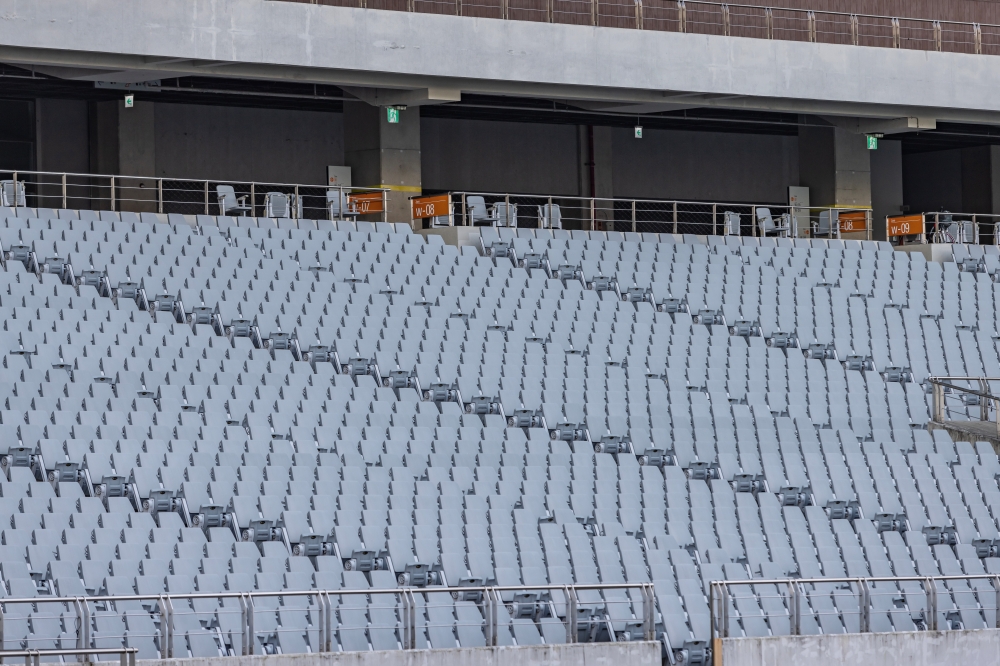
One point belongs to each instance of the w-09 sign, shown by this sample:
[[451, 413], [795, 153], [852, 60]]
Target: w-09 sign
[[424, 207], [904, 225]]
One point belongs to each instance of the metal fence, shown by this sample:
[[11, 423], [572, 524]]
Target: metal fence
[[312, 620], [643, 215], [861, 605], [186, 196], [950, 399], [944, 227], [718, 18]]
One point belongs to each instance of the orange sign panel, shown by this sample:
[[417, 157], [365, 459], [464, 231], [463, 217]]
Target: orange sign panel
[[434, 206], [363, 204], [904, 225], [853, 221]]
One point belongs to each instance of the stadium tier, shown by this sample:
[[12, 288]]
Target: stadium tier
[[192, 410]]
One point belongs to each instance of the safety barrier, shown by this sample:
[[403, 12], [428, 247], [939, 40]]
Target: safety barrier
[[246, 621], [720, 18], [188, 196], [34, 657], [943, 227], [861, 604], [982, 397], [638, 215]]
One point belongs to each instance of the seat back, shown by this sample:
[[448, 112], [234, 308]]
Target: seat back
[[11, 195], [731, 223], [765, 223], [336, 203], [227, 198], [505, 214], [828, 222], [550, 216], [476, 207], [276, 205]]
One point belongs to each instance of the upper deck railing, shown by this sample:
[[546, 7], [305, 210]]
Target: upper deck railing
[[188, 196], [719, 18]]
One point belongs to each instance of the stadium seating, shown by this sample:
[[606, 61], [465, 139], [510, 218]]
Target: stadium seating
[[664, 410]]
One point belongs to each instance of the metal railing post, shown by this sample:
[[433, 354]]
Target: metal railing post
[[551, 9], [405, 603], [593, 213], [164, 629], [794, 612], [725, 19], [298, 203], [996, 587], [649, 612], [465, 213], [769, 16], [251, 634], [638, 14], [715, 212], [864, 606], [854, 29], [937, 35], [811, 23], [681, 16], [64, 197], [385, 205], [633, 217], [112, 194], [713, 613], [594, 12], [159, 194], [571, 630], [506, 209], [253, 200], [675, 217], [938, 402], [724, 599], [16, 198], [753, 220], [977, 38], [932, 617], [206, 197], [895, 33]]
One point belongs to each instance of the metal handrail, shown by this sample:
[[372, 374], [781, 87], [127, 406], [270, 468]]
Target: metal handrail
[[940, 383], [488, 597], [115, 192], [719, 597], [593, 212], [934, 227], [684, 17]]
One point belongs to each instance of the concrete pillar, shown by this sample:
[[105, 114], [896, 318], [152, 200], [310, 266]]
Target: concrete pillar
[[383, 154], [835, 165], [595, 151], [887, 184], [123, 143]]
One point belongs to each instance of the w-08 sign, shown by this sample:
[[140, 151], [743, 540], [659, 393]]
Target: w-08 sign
[[434, 206]]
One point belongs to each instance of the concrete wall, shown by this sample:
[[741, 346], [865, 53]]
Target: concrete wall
[[921, 648], [491, 156], [704, 166], [933, 181], [488, 156], [362, 47], [61, 135], [639, 653], [237, 143]]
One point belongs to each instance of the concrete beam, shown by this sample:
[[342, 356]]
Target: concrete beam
[[381, 49], [882, 126]]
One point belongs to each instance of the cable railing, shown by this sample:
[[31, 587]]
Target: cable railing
[[476, 209], [943, 227], [35, 657], [761, 607], [719, 18], [950, 399], [187, 196], [296, 621]]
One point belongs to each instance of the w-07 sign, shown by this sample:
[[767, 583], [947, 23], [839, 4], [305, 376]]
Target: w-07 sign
[[434, 206]]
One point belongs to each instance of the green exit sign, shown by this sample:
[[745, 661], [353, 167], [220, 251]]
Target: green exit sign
[[872, 142], [392, 114]]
